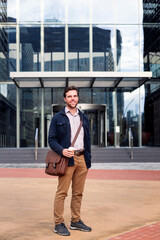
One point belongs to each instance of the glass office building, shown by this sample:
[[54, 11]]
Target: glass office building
[[109, 49]]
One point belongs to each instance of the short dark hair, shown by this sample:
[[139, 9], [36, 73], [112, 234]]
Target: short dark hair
[[67, 89]]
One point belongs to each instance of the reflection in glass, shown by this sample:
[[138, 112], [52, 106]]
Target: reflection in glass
[[126, 11], [11, 11], [30, 10], [3, 54], [30, 49], [152, 49], [129, 58], [99, 96], [12, 48], [151, 11], [102, 11], [78, 11], [57, 95], [110, 117], [78, 49], [151, 116], [7, 115], [54, 10], [128, 115], [103, 59], [93, 118], [30, 116], [54, 49], [141, 42], [84, 95], [3, 11]]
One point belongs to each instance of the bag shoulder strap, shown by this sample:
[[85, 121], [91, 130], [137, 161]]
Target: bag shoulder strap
[[77, 133]]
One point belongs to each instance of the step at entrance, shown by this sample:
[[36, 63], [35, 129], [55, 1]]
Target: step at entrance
[[99, 155]]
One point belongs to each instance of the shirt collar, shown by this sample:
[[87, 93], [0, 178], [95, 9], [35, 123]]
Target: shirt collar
[[68, 111]]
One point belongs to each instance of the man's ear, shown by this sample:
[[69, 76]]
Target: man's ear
[[65, 99]]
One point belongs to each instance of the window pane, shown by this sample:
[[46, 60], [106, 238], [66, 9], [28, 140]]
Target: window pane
[[128, 51], [128, 115], [78, 49], [103, 48], [30, 116], [54, 48], [7, 115], [152, 49], [84, 95], [102, 11], [110, 116], [11, 11], [151, 116], [30, 58], [30, 10], [78, 11], [151, 12], [3, 11], [126, 11], [11, 33], [54, 10], [3, 54], [141, 38]]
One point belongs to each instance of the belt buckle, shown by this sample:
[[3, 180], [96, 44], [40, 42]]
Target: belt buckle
[[76, 152]]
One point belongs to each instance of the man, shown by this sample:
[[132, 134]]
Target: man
[[62, 130]]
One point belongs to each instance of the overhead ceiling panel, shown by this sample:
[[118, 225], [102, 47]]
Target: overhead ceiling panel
[[103, 84], [54, 84], [79, 83]]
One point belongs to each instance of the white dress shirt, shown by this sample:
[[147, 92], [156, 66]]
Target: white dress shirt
[[74, 123]]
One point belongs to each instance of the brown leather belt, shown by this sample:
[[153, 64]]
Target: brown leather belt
[[78, 153]]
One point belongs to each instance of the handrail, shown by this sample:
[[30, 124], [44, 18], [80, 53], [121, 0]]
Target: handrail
[[36, 144], [131, 143]]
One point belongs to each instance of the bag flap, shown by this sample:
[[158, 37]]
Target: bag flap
[[52, 157]]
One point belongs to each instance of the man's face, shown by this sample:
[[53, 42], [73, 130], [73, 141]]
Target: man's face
[[71, 98]]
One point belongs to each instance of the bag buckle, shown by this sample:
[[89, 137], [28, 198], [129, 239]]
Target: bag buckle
[[54, 165], [47, 165]]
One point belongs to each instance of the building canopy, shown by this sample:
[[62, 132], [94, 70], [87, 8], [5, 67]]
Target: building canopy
[[80, 79]]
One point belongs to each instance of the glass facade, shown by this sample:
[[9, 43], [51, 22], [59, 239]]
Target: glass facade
[[103, 48], [29, 49], [80, 36], [30, 115], [7, 115], [78, 52], [54, 48]]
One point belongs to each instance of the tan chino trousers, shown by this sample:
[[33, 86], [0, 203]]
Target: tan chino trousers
[[76, 174]]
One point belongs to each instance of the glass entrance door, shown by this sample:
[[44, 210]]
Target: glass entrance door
[[93, 122]]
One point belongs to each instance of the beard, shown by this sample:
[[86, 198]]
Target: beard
[[72, 105]]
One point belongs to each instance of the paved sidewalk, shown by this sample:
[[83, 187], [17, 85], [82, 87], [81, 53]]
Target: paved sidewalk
[[114, 166], [117, 204]]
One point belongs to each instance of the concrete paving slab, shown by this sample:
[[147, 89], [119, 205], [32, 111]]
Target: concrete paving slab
[[110, 207]]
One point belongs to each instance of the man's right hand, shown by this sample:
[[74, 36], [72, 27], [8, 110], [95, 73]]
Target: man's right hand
[[68, 152]]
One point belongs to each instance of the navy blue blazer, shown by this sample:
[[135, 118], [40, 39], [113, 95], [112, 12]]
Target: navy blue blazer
[[60, 135]]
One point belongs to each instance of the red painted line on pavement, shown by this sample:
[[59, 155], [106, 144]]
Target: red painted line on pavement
[[149, 175], [151, 232]]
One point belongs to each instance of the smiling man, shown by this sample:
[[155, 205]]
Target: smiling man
[[62, 130]]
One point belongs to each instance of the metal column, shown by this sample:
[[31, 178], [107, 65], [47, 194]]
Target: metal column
[[18, 118], [140, 121], [42, 118], [115, 116]]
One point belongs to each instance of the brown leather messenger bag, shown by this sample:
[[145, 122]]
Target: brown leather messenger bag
[[56, 164]]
